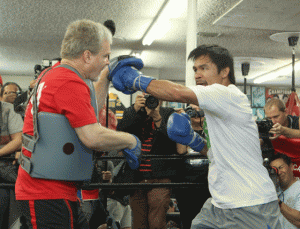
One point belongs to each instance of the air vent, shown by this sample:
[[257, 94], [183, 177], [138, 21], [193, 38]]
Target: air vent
[[207, 34]]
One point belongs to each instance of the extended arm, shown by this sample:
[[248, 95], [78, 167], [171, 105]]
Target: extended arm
[[169, 91], [128, 79]]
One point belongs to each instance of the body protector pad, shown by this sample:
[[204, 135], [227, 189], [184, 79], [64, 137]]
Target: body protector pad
[[121, 61], [57, 152]]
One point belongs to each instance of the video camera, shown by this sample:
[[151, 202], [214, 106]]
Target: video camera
[[192, 113]]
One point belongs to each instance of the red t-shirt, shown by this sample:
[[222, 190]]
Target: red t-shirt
[[61, 91]]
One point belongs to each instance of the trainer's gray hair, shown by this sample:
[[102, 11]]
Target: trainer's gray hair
[[84, 35]]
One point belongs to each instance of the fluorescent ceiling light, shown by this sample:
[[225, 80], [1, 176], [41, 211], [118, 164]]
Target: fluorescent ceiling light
[[161, 24], [284, 71], [235, 5]]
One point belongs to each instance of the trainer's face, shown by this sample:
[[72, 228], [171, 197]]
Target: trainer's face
[[276, 116], [206, 72], [100, 60], [285, 172]]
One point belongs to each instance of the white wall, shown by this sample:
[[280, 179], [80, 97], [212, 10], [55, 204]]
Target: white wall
[[22, 81]]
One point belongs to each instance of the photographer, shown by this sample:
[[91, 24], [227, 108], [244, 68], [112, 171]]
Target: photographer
[[148, 121], [189, 200], [11, 140], [284, 124], [10, 91], [285, 131], [288, 191]]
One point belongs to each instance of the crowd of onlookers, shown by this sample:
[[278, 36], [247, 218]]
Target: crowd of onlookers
[[155, 206]]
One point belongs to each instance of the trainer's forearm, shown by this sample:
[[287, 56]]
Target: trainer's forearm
[[100, 138]]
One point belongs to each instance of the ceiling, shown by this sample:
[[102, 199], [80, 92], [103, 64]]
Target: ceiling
[[33, 30]]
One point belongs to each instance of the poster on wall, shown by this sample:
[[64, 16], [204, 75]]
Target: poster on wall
[[175, 105], [258, 97], [258, 113], [282, 94], [116, 106]]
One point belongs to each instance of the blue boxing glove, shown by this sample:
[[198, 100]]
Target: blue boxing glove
[[179, 130], [125, 76], [129, 80], [133, 155], [121, 61]]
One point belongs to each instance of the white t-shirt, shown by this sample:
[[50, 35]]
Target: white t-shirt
[[237, 177], [291, 197]]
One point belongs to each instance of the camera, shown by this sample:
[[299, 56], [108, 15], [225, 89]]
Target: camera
[[192, 113], [151, 102], [264, 126]]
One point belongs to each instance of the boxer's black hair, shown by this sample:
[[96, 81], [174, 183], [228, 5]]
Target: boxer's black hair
[[219, 56]]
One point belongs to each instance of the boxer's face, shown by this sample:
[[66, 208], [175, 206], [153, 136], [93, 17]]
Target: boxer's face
[[206, 72]]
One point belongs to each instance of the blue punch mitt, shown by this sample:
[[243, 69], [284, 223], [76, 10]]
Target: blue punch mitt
[[179, 130], [133, 155], [121, 61]]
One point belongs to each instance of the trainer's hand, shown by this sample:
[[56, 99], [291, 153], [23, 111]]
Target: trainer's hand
[[179, 130], [133, 155], [139, 102]]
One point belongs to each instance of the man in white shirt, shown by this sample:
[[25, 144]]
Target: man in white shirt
[[288, 191], [243, 195]]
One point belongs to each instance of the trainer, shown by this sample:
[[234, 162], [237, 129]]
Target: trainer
[[57, 154], [243, 195]]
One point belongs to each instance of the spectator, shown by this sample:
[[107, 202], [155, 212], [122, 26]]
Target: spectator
[[149, 207], [91, 206], [285, 132], [11, 140], [10, 91], [283, 124], [288, 191]]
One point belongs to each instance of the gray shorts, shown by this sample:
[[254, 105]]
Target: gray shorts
[[263, 216], [119, 212]]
